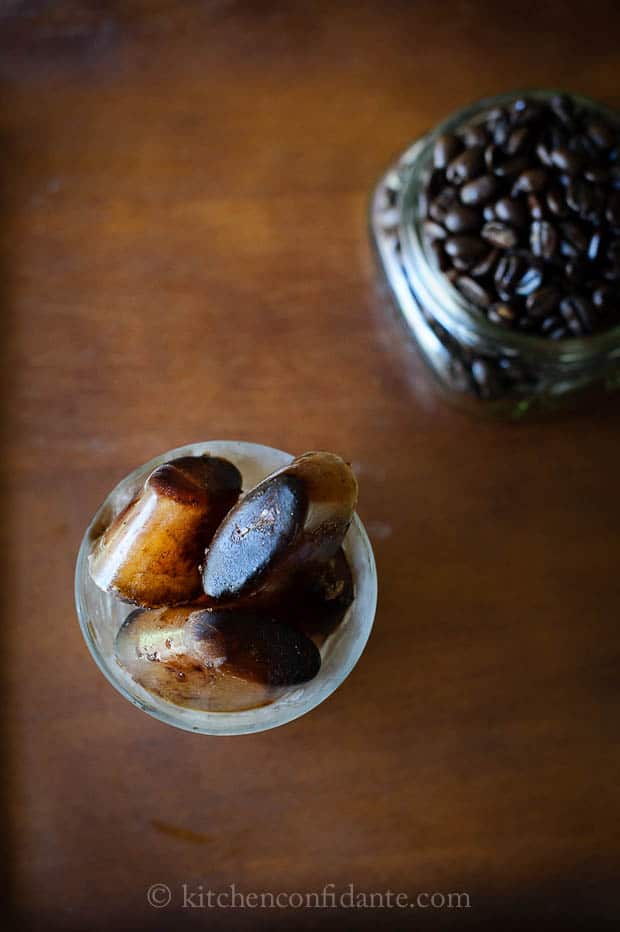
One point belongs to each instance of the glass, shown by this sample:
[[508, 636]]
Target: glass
[[480, 365], [101, 614]]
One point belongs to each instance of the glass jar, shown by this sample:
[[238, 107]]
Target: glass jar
[[480, 365], [101, 614]]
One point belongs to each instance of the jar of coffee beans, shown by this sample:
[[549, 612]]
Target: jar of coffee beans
[[499, 234]]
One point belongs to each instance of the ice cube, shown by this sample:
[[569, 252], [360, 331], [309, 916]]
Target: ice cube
[[223, 660], [296, 517], [150, 553]]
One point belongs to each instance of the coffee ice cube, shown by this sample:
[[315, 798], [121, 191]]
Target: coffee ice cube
[[150, 553], [296, 517], [214, 660]]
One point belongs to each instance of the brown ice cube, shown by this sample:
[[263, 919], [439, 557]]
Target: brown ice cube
[[296, 517], [318, 598], [150, 553], [214, 660]]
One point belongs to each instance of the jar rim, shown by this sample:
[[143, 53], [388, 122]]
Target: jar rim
[[457, 308]]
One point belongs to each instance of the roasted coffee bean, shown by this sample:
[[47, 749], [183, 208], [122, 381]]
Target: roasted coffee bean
[[493, 155], [550, 323], [512, 212], [442, 204], [603, 297], [556, 202], [597, 174], [436, 182], [543, 239], [500, 234], [473, 291], [511, 167], [433, 231], [594, 246], [461, 219], [488, 212], [560, 333], [613, 253], [485, 266], [612, 214], [574, 234], [518, 141], [535, 206], [446, 148], [509, 269], [544, 154], [601, 134], [563, 108], [467, 165], [578, 313], [501, 313], [530, 281], [530, 181], [467, 249], [542, 302], [579, 197], [480, 191], [475, 136], [576, 270], [566, 160]]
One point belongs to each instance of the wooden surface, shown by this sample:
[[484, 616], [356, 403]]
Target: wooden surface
[[184, 257]]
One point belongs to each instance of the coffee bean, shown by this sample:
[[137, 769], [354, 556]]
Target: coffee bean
[[518, 141], [550, 323], [544, 154], [442, 204], [603, 297], [574, 234], [475, 136], [493, 155], [543, 239], [566, 160], [594, 246], [467, 249], [511, 167], [556, 202], [433, 230], [500, 234], [601, 134], [467, 165], [576, 270], [535, 206], [530, 281], [473, 291], [563, 107], [577, 312], [597, 174], [502, 314], [559, 333], [488, 212], [542, 302], [461, 219], [479, 192], [612, 213], [446, 148], [530, 181], [486, 264], [507, 273], [512, 212]]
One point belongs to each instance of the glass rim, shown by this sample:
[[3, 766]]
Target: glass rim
[[250, 721], [460, 311]]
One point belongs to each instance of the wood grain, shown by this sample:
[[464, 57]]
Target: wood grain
[[184, 257]]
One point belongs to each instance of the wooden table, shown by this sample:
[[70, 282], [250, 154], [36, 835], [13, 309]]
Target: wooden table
[[184, 257]]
